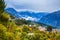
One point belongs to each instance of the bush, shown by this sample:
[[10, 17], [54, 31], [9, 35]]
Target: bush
[[4, 19], [25, 28], [3, 29], [9, 36], [11, 27]]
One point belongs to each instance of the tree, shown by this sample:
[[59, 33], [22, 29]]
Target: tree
[[49, 28], [12, 17], [22, 21], [4, 16], [2, 6]]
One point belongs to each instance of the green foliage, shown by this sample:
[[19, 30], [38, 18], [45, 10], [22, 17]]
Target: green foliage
[[22, 21], [49, 28], [2, 6], [2, 31], [9, 36], [2, 28], [11, 27], [24, 33], [4, 18], [25, 28], [12, 17]]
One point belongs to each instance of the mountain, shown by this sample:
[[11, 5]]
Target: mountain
[[52, 19], [13, 12], [28, 15]]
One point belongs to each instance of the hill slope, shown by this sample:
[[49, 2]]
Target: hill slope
[[52, 19]]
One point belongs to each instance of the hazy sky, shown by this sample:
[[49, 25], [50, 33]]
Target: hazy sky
[[37, 5]]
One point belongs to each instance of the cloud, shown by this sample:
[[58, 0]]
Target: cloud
[[30, 18], [38, 5]]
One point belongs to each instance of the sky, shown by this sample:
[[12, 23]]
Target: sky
[[35, 5]]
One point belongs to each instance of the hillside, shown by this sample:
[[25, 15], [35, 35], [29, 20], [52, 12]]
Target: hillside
[[52, 19]]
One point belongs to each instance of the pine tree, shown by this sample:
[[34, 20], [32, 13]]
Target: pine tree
[[4, 16], [2, 6]]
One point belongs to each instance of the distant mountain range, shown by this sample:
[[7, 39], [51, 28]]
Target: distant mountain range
[[52, 19], [28, 15]]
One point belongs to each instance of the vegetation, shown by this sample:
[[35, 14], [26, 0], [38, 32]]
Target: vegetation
[[2, 6], [22, 21], [12, 30], [49, 28]]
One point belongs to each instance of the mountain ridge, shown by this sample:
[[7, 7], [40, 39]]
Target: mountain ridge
[[51, 19], [25, 14]]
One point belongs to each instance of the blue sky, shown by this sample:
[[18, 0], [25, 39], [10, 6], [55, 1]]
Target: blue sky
[[36, 5]]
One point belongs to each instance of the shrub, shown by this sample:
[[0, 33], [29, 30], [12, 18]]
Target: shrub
[[25, 28], [9, 36], [11, 27], [3, 29]]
